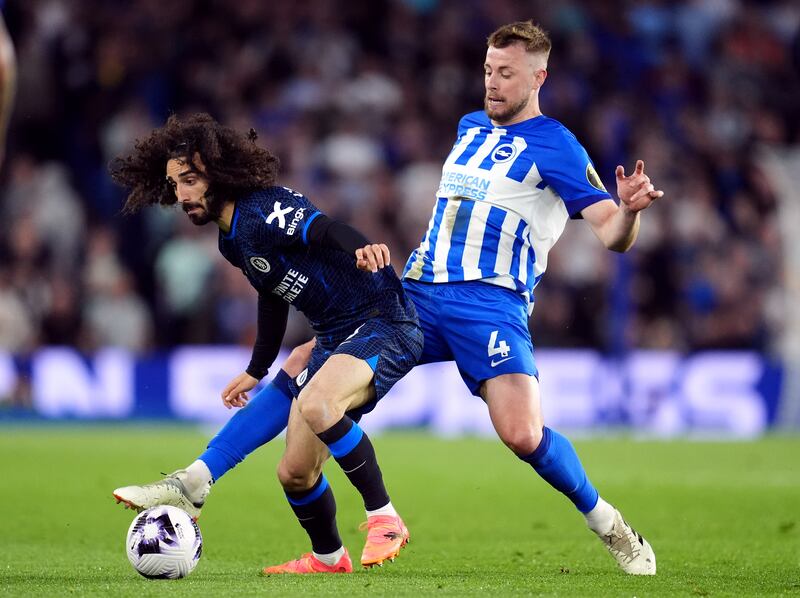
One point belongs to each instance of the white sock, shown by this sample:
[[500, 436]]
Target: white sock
[[388, 509], [332, 558], [197, 480], [600, 519]]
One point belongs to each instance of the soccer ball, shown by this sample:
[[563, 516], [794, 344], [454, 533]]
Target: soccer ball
[[164, 543]]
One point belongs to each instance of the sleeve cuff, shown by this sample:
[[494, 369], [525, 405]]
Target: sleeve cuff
[[256, 373], [308, 225], [576, 206]]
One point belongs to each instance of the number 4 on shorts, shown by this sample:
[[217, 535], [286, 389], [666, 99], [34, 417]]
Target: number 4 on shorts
[[496, 348]]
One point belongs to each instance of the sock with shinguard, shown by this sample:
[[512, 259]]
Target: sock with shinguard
[[262, 419], [557, 462], [315, 509], [355, 455]]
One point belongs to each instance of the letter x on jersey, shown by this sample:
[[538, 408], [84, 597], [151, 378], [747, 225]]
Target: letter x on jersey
[[278, 214]]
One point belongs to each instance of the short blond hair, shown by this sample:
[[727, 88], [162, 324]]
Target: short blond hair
[[533, 37]]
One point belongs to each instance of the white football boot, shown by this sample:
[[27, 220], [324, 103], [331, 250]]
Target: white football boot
[[632, 552], [169, 491]]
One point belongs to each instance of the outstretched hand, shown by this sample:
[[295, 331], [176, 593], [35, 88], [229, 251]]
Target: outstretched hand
[[372, 258], [636, 191], [235, 393]]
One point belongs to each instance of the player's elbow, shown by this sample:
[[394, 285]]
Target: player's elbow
[[619, 246], [619, 243]]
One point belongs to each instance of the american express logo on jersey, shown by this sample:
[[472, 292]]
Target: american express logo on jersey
[[463, 185]]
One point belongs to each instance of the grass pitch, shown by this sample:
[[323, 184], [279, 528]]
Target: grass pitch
[[722, 518]]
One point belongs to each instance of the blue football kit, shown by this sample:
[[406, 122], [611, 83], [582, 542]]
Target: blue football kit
[[504, 198]]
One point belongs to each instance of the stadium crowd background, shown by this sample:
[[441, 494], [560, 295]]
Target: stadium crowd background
[[361, 101]]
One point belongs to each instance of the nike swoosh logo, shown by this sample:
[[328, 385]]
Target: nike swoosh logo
[[363, 338], [494, 363], [356, 467]]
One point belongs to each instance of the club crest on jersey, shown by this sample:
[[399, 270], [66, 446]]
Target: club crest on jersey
[[504, 153], [593, 178], [260, 264]]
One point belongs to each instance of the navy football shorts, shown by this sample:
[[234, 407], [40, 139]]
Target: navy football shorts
[[483, 327], [391, 348]]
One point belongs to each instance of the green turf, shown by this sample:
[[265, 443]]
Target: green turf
[[722, 518]]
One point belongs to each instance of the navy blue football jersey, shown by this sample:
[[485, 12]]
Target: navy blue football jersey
[[268, 242]]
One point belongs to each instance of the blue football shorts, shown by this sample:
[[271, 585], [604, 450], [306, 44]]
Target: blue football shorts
[[391, 348], [483, 327]]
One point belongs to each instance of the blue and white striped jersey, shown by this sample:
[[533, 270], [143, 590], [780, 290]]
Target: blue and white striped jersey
[[503, 201]]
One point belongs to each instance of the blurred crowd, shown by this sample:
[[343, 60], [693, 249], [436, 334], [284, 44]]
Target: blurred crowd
[[360, 100]]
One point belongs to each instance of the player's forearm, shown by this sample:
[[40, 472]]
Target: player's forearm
[[620, 232], [272, 315]]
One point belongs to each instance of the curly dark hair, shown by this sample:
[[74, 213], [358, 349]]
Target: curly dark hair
[[233, 164]]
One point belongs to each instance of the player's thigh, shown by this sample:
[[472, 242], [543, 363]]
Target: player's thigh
[[304, 456], [298, 359], [390, 348], [515, 410], [343, 382]]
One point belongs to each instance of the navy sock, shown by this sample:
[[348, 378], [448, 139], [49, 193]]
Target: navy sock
[[261, 420], [355, 455], [557, 462], [316, 511]]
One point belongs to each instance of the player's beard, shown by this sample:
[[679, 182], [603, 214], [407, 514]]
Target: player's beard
[[504, 115], [208, 213]]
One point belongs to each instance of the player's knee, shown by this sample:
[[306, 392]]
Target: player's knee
[[313, 406], [298, 359], [522, 440], [294, 478]]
